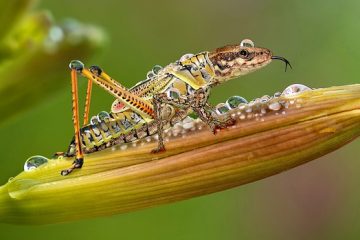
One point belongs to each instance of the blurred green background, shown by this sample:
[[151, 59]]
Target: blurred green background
[[319, 200]]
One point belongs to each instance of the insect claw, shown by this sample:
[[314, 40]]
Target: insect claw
[[66, 172], [76, 164], [158, 150]]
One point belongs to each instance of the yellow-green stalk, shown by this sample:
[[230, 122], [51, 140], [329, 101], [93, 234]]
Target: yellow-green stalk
[[270, 136]]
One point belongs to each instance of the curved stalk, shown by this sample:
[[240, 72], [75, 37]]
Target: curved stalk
[[270, 136]]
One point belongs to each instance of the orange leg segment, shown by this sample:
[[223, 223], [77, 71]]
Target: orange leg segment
[[75, 108], [87, 102]]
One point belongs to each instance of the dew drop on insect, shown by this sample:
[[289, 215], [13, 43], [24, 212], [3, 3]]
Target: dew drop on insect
[[235, 101], [221, 108], [150, 74], [247, 43], [173, 93], [156, 69], [190, 90], [94, 120], [295, 89], [103, 115], [186, 56], [34, 162], [76, 65]]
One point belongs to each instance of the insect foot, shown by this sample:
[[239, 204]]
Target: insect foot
[[76, 164], [219, 125], [158, 150]]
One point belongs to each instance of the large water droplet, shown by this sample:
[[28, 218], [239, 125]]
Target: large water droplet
[[34, 162], [235, 101], [247, 43], [156, 69], [221, 108], [76, 65], [295, 89], [103, 115]]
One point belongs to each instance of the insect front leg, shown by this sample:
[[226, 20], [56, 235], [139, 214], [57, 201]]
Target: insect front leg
[[199, 104]]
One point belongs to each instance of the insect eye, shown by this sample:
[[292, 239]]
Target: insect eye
[[247, 43], [244, 53]]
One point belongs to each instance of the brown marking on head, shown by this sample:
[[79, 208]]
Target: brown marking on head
[[235, 60]]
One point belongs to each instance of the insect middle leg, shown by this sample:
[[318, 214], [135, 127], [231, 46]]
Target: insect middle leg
[[164, 111]]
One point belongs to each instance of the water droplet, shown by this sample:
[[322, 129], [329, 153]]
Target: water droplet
[[186, 56], [150, 74], [173, 93], [235, 101], [94, 120], [76, 65], [265, 99], [247, 43], [221, 108], [34, 162], [295, 89], [103, 115], [275, 106], [277, 94], [156, 69]]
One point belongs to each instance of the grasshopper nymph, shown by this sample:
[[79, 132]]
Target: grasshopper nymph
[[167, 96]]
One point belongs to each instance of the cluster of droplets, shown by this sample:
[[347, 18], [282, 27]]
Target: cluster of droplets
[[102, 116], [258, 107], [154, 71], [235, 106]]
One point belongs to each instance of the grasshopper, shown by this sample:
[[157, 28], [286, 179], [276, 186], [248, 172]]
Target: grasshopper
[[167, 96]]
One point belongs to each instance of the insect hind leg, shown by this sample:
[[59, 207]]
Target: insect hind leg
[[76, 67]]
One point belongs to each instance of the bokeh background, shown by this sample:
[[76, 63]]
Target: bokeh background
[[319, 200]]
